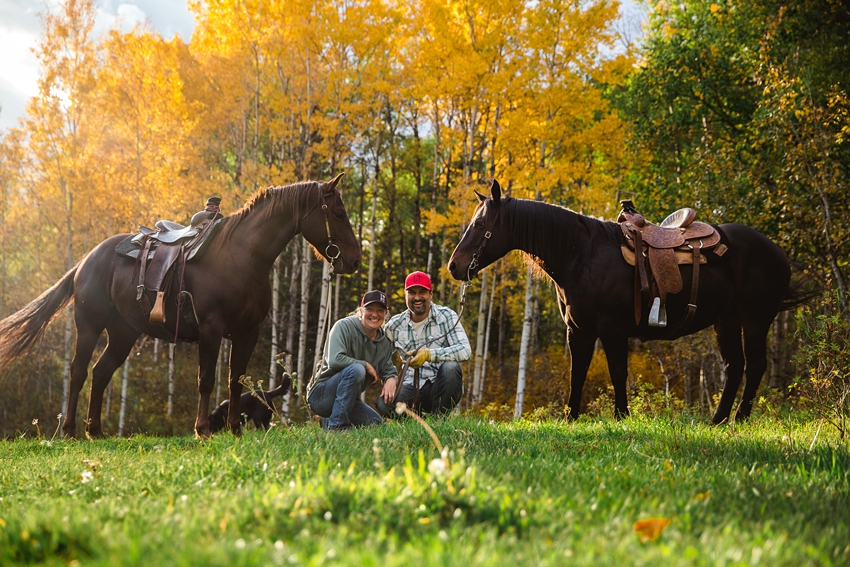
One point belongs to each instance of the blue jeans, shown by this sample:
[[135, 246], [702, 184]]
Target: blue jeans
[[437, 396], [338, 399]]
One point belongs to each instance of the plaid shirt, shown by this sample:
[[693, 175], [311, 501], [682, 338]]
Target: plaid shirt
[[455, 346]]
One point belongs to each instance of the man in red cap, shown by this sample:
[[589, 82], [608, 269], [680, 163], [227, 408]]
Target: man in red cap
[[437, 363]]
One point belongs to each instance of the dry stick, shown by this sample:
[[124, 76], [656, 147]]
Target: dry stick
[[814, 440], [401, 408]]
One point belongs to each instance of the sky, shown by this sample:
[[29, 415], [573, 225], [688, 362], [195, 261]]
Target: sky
[[20, 27]]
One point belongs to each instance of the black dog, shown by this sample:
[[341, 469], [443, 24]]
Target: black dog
[[252, 407]]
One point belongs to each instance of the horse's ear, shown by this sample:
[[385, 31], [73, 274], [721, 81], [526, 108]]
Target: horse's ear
[[495, 192], [331, 185], [481, 197]]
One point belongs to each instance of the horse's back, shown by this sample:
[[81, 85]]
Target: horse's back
[[97, 273]]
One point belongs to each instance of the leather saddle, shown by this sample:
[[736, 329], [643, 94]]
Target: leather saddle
[[656, 251], [159, 251]]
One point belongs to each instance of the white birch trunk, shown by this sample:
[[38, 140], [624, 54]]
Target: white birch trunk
[[156, 349], [373, 223], [275, 322], [305, 299], [218, 365], [523, 348], [479, 339], [324, 305], [66, 369], [294, 278], [123, 411], [479, 393], [170, 378]]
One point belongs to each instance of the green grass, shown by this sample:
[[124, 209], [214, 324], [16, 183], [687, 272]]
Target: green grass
[[518, 493]]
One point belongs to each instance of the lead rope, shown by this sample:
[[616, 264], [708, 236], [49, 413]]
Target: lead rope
[[406, 365], [332, 252]]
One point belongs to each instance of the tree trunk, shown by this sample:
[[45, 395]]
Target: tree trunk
[[171, 347], [480, 392], [324, 306], [66, 369], [479, 339], [295, 278], [302, 330], [275, 322], [524, 343], [123, 411]]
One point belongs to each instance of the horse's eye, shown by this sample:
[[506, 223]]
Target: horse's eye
[[479, 223]]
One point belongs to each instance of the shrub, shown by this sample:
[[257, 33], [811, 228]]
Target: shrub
[[824, 356]]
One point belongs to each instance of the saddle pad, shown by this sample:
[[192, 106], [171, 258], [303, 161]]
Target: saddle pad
[[682, 256]]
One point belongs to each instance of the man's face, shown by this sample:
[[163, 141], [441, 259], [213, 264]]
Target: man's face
[[372, 316], [418, 301]]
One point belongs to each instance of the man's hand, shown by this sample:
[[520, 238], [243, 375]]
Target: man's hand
[[389, 389], [370, 370], [423, 356]]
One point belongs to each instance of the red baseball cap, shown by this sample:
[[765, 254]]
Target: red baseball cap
[[417, 278]]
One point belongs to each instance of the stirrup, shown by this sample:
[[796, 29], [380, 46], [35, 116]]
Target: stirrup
[[157, 316], [657, 314]]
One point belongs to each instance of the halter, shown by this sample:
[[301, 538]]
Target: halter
[[473, 264]]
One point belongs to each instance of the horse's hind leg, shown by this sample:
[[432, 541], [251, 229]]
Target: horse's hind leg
[[617, 353], [122, 337], [755, 350], [87, 334], [728, 332]]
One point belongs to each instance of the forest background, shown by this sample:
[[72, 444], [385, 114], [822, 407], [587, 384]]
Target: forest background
[[737, 109]]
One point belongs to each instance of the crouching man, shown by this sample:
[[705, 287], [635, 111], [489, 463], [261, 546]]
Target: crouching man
[[440, 380], [357, 355]]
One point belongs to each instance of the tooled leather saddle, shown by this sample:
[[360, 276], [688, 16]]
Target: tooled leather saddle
[[158, 253], [656, 251]]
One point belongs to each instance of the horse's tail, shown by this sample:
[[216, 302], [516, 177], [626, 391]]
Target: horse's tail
[[20, 331], [285, 383], [795, 295]]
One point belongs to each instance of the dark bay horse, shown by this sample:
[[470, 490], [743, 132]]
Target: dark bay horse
[[740, 293], [229, 283]]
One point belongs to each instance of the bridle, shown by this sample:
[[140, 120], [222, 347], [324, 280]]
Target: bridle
[[488, 232], [332, 251]]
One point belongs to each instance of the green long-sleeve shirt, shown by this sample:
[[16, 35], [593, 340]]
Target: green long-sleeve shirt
[[348, 343]]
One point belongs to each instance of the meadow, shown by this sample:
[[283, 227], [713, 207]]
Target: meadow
[[771, 491]]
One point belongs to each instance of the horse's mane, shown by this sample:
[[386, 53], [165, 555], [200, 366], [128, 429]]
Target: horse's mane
[[267, 200], [550, 230]]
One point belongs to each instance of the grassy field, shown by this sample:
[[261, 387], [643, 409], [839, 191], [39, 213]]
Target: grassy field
[[516, 493]]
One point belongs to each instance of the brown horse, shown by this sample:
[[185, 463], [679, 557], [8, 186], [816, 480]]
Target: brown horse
[[229, 283], [739, 293]]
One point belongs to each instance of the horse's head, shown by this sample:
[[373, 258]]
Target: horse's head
[[485, 241], [328, 229]]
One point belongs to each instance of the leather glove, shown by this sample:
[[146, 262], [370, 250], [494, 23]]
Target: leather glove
[[423, 356]]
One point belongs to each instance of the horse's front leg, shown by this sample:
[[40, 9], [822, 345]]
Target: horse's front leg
[[208, 347], [617, 353], [581, 353], [240, 354]]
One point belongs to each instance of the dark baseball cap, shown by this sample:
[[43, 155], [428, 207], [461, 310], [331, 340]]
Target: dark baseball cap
[[375, 296]]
